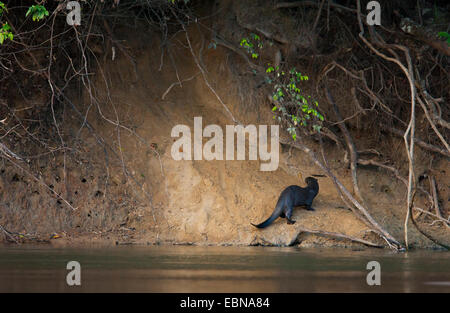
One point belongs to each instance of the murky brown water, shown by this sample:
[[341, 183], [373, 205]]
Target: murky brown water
[[220, 269]]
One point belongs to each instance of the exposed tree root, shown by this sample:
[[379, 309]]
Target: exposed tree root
[[437, 242], [334, 235]]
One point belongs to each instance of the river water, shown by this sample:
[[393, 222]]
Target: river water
[[220, 269]]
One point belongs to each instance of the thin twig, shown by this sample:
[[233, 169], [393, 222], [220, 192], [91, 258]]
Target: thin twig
[[177, 83]]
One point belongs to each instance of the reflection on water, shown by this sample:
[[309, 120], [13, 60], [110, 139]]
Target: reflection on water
[[220, 269]]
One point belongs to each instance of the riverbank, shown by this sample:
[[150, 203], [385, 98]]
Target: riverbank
[[113, 178]]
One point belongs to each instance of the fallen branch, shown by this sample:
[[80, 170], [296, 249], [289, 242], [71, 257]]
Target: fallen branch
[[8, 234], [335, 235]]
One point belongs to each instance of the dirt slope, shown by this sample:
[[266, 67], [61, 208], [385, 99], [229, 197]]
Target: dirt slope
[[168, 201]]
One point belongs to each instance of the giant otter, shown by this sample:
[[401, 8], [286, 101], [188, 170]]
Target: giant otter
[[291, 197]]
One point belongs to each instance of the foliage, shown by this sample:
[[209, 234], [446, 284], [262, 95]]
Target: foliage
[[292, 106], [446, 36], [38, 12], [5, 29], [5, 33], [2, 8], [250, 47]]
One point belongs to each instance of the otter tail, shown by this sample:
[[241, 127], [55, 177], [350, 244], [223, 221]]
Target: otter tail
[[276, 213]]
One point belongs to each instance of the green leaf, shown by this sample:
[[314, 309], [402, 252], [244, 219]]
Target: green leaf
[[38, 12], [445, 35], [2, 7]]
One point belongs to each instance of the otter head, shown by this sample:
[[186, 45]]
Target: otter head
[[311, 181]]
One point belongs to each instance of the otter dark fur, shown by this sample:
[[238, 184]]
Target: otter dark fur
[[291, 197]]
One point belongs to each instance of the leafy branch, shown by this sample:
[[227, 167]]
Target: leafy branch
[[291, 105], [38, 12], [5, 33], [251, 47], [295, 108]]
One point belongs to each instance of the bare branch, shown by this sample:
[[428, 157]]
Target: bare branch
[[335, 235]]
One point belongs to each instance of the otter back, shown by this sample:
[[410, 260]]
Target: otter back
[[291, 197]]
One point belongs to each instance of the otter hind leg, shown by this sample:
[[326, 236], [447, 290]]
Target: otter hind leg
[[289, 215], [290, 222]]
